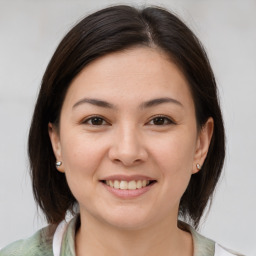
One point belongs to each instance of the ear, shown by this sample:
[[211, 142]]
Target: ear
[[56, 145], [203, 143]]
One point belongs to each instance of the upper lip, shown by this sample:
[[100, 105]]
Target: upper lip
[[128, 177]]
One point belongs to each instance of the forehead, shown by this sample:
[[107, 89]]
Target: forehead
[[130, 75]]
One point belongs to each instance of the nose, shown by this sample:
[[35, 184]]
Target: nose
[[127, 147]]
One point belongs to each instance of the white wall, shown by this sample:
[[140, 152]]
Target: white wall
[[29, 34]]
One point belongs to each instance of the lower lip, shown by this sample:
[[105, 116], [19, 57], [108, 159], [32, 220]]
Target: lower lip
[[128, 193]]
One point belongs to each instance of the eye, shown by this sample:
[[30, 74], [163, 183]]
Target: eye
[[95, 121], [160, 120]]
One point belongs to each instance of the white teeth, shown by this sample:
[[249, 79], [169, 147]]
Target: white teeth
[[139, 184], [130, 185], [123, 184], [116, 184], [111, 183]]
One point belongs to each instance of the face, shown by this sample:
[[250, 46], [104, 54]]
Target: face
[[128, 139]]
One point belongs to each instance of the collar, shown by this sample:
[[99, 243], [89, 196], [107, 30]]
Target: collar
[[64, 240]]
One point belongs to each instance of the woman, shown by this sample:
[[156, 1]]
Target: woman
[[127, 136]]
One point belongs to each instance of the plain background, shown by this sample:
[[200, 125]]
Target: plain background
[[29, 34]]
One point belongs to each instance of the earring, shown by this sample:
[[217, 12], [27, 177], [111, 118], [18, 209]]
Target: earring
[[58, 164], [198, 166]]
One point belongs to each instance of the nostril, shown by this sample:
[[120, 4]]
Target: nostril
[[128, 153], [127, 161]]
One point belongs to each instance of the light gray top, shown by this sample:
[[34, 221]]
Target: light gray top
[[41, 243]]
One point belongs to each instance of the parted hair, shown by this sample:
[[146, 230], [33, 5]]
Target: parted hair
[[106, 31]]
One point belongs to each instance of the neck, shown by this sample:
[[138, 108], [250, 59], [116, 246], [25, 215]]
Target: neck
[[165, 238]]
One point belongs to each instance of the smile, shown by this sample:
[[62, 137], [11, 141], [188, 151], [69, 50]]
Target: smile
[[128, 185]]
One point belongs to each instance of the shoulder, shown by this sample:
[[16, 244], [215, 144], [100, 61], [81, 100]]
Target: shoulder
[[205, 246], [222, 251], [202, 245], [38, 244]]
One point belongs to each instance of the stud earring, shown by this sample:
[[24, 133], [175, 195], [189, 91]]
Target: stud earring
[[198, 166], [58, 164]]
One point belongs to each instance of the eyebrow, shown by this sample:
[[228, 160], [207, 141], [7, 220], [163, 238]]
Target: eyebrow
[[159, 101], [95, 102], [147, 104]]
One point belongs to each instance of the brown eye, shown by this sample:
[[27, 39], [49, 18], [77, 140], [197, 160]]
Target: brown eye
[[95, 120], [160, 120]]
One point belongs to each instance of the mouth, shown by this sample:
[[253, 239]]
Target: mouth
[[128, 185]]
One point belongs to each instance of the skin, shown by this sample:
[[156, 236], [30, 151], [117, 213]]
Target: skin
[[130, 140]]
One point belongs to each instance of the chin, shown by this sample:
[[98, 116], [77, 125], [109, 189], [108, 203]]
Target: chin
[[127, 220]]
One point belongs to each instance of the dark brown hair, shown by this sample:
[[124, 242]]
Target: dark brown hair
[[109, 30]]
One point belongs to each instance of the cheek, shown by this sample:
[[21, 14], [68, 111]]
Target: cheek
[[175, 153], [174, 157], [81, 156]]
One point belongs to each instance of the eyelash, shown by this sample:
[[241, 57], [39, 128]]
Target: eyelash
[[86, 121], [166, 120]]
